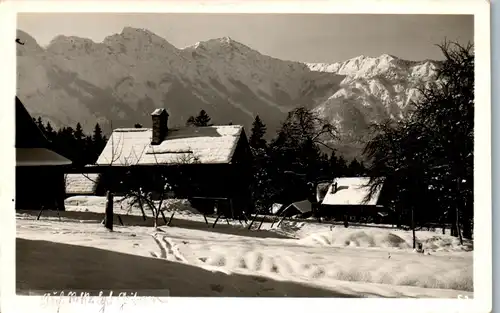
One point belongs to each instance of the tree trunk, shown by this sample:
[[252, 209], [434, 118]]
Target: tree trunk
[[457, 217], [139, 199], [466, 223], [453, 223], [398, 219], [108, 216], [413, 228], [467, 229], [458, 228]]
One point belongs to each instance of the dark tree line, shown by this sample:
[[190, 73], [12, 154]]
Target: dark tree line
[[74, 143], [427, 159]]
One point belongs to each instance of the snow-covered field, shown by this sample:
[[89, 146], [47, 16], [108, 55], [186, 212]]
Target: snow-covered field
[[190, 258]]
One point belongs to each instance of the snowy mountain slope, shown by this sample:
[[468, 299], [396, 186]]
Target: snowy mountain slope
[[125, 77], [380, 87], [373, 89]]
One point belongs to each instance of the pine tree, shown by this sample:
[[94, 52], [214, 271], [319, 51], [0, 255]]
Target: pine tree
[[65, 143], [40, 125], [88, 147], [337, 165], [97, 137], [356, 169], [258, 132], [342, 167], [79, 136], [202, 119], [50, 132], [262, 189], [78, 143], [99, 142], [191, 121]]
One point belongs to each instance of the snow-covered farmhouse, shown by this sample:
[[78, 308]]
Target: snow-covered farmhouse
[[39, 170], [347, 197], [210, 165]]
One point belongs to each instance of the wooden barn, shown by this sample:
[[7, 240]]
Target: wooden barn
[[210, 165], [39, 170], [345, 198]]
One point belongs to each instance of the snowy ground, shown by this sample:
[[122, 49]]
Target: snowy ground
[[190, 258]]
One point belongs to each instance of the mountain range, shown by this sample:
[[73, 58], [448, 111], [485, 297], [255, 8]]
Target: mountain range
[[118, 82]]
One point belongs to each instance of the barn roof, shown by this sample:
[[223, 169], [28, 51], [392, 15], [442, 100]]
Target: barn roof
[[39, 157], [81, 184], [32, 147], [28, 135], [276, 207], [302, 206], [350, 191], [206, 145]]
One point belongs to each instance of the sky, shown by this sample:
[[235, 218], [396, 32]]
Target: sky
[[324, 38]]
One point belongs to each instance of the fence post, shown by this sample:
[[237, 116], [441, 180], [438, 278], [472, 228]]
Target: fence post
[[108, 216]]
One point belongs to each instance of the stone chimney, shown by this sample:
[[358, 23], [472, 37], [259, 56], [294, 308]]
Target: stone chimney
[[160, 125], [334, 187]]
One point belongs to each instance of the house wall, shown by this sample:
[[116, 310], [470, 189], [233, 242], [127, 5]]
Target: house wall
[[39, 186], [203, 182], [241, 177]]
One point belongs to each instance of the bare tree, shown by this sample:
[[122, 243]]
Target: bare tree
[[162, 186]]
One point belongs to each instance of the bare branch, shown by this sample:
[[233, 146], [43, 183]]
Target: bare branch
[[87, 176]]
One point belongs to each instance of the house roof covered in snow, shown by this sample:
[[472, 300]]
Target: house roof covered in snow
[[206, 145], [302, 206], [39, 157], [81, 184], [275, 208], [350, 191], [28, 135], [32, 147]]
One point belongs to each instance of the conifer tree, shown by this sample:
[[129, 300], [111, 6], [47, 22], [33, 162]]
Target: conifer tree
[[40, 125], [202, 119], [50, 132], [191, 121], [258, 132]]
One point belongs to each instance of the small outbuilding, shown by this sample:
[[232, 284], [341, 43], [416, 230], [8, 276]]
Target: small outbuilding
[[301, 208], [347, 196]]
